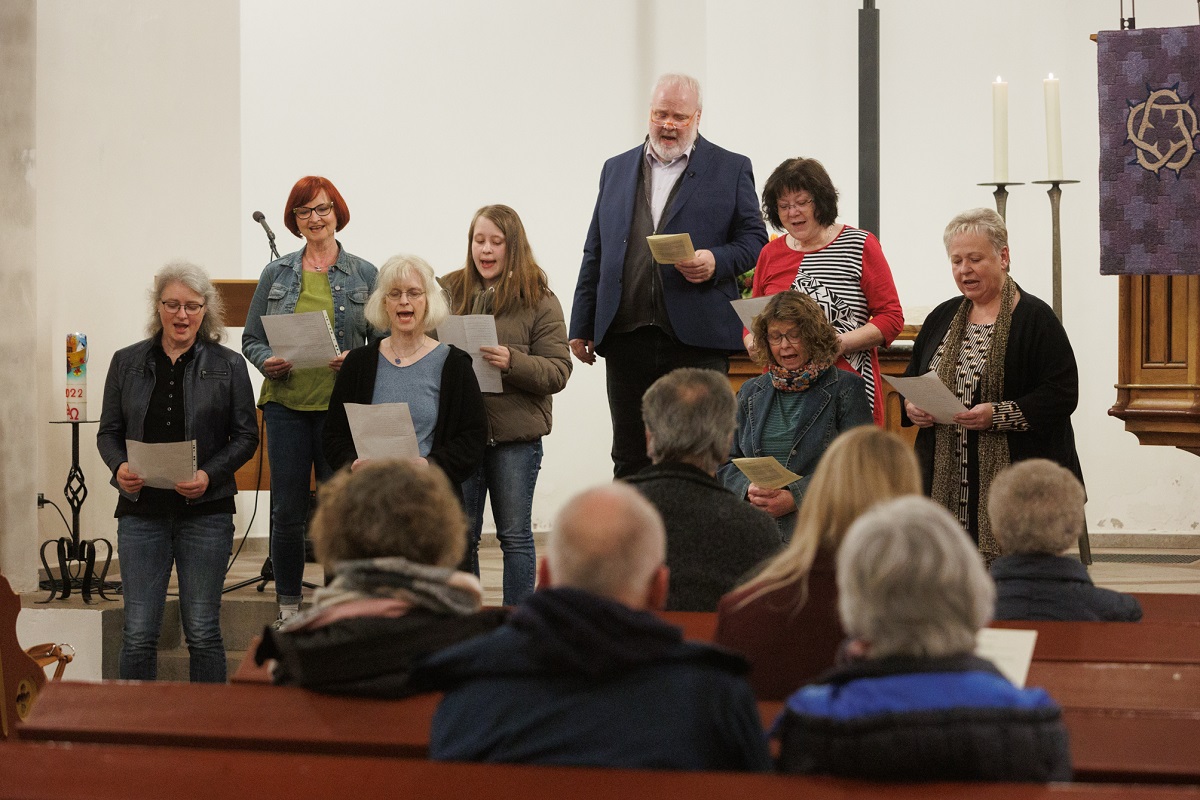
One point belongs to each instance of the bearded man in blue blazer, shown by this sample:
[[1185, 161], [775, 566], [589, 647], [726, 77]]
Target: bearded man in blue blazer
[[644, 318]]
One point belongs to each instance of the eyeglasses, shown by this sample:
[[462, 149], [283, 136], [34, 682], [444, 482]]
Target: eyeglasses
[[396, 295], [322, 210], [662, 118], [793, 337], [173, 306], [802, 204]]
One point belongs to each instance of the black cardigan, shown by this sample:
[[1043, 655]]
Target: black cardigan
[[459, 435], [1039, 374]]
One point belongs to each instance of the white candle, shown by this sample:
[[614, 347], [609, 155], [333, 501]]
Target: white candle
[[1000, 131], [1053, 129]]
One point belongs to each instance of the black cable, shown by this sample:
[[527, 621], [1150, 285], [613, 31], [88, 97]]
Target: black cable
[[60, 513], [262, 425]]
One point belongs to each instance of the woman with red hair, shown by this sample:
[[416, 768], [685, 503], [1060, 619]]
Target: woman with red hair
[[320, 276]]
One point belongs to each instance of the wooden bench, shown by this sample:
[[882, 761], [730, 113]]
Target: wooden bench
[[122, 772], [1170, 609], [1106, 744]]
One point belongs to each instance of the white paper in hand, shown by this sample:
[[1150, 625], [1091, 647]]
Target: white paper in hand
[[929, 394], [305, 339], [382, 431], [766, 472], [1010, 650], [161, 466], [469, 333], [749, 308]]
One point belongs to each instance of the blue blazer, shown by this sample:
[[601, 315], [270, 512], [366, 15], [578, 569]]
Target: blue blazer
[[716, 204]]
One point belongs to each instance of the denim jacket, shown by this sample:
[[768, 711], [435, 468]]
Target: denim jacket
[[218, 403], [835, 402], [351, 281]]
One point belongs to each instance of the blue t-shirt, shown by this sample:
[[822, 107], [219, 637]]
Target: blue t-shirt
[[419, 385]]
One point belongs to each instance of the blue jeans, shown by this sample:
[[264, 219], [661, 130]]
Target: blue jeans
[[294, 448], [199, 547], [508, 473]]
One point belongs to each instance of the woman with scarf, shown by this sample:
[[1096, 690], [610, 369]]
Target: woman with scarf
[[1006, 356], [391, 534], [501, 278], [797, 408], [841, 267]]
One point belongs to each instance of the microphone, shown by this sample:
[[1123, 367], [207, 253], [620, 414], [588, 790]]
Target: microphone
[[261, 219]]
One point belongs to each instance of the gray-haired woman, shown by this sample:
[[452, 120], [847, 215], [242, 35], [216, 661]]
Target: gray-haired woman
[[177, 385], [913, 703]]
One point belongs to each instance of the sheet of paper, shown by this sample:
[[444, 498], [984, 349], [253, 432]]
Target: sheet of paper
[[928, 393], [304, 339], [671, 248], [1010, 650], [469, 333], [749, 308], [766, 472], [162, 465], [384, 430]]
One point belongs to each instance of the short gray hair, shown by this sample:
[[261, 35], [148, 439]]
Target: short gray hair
[[395, 270], [608, 540], [212, 326], [678, 79], [1036, 506], [978, 220], [690, 414], [910, 581]]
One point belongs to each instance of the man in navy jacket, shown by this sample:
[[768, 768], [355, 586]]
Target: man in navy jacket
[[644, 318]]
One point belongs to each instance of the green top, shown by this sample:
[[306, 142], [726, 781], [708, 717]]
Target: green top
[[305, 389], [779, 430]]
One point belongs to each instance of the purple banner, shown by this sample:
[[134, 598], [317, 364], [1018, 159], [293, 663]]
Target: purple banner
[[1149, 164]]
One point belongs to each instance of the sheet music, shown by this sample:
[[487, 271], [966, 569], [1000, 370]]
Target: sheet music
[[163, 465], [304, 339], [671, 248], [766, 472], [383, 430], [749, 308], [1010, 650], [469, 333], [929, 394]]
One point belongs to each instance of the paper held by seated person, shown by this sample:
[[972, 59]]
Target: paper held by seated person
[[163, 465], [305, 339], [766, 472], [469, 333], [1009, 649], [383, 430], [671, 248], [928, 393], [749, 308]]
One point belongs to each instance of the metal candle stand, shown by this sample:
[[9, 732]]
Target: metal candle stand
[[81, 552], [1055, 193], [1001, 195]]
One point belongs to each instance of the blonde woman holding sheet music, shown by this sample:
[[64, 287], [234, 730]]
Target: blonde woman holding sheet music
[[501, 277], [321, 276]]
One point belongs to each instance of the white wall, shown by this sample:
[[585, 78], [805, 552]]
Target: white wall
[[158, 136]]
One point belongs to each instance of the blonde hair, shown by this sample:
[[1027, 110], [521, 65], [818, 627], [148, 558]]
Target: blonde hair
[[395, 270], [864, 466]]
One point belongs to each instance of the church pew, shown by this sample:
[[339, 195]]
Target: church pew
[[1118, 642], [1123, 686], [1106, 744], [1170, 609], [41, 771]]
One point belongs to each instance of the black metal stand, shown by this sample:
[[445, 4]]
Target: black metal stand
[[1001, 195], [267, 573], [81, 552]]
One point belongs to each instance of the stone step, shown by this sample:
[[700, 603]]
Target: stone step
[[173, 665]]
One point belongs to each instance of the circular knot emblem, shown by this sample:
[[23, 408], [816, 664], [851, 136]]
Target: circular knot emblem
[[1162, 128]]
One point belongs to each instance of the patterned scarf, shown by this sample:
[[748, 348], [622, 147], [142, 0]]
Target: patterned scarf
[[389, 587], [993, 445], [795, 380]]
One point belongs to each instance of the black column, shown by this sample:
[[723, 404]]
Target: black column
[[868, 117]]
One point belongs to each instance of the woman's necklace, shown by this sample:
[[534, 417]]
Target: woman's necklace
[[399, 357]]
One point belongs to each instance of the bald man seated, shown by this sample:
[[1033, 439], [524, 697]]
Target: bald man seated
[[584, 674]]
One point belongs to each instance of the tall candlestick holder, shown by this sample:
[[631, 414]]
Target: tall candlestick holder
[[1001, 195], [1055, 194]]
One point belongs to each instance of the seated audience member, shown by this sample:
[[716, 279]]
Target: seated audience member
[[785, 619], [390, 533], [913, 703], [713, 538], [583, 674], [1036, 508]]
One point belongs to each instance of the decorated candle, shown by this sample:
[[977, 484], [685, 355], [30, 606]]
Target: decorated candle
[[77, 358], [1053, 129], [1000, 131]]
